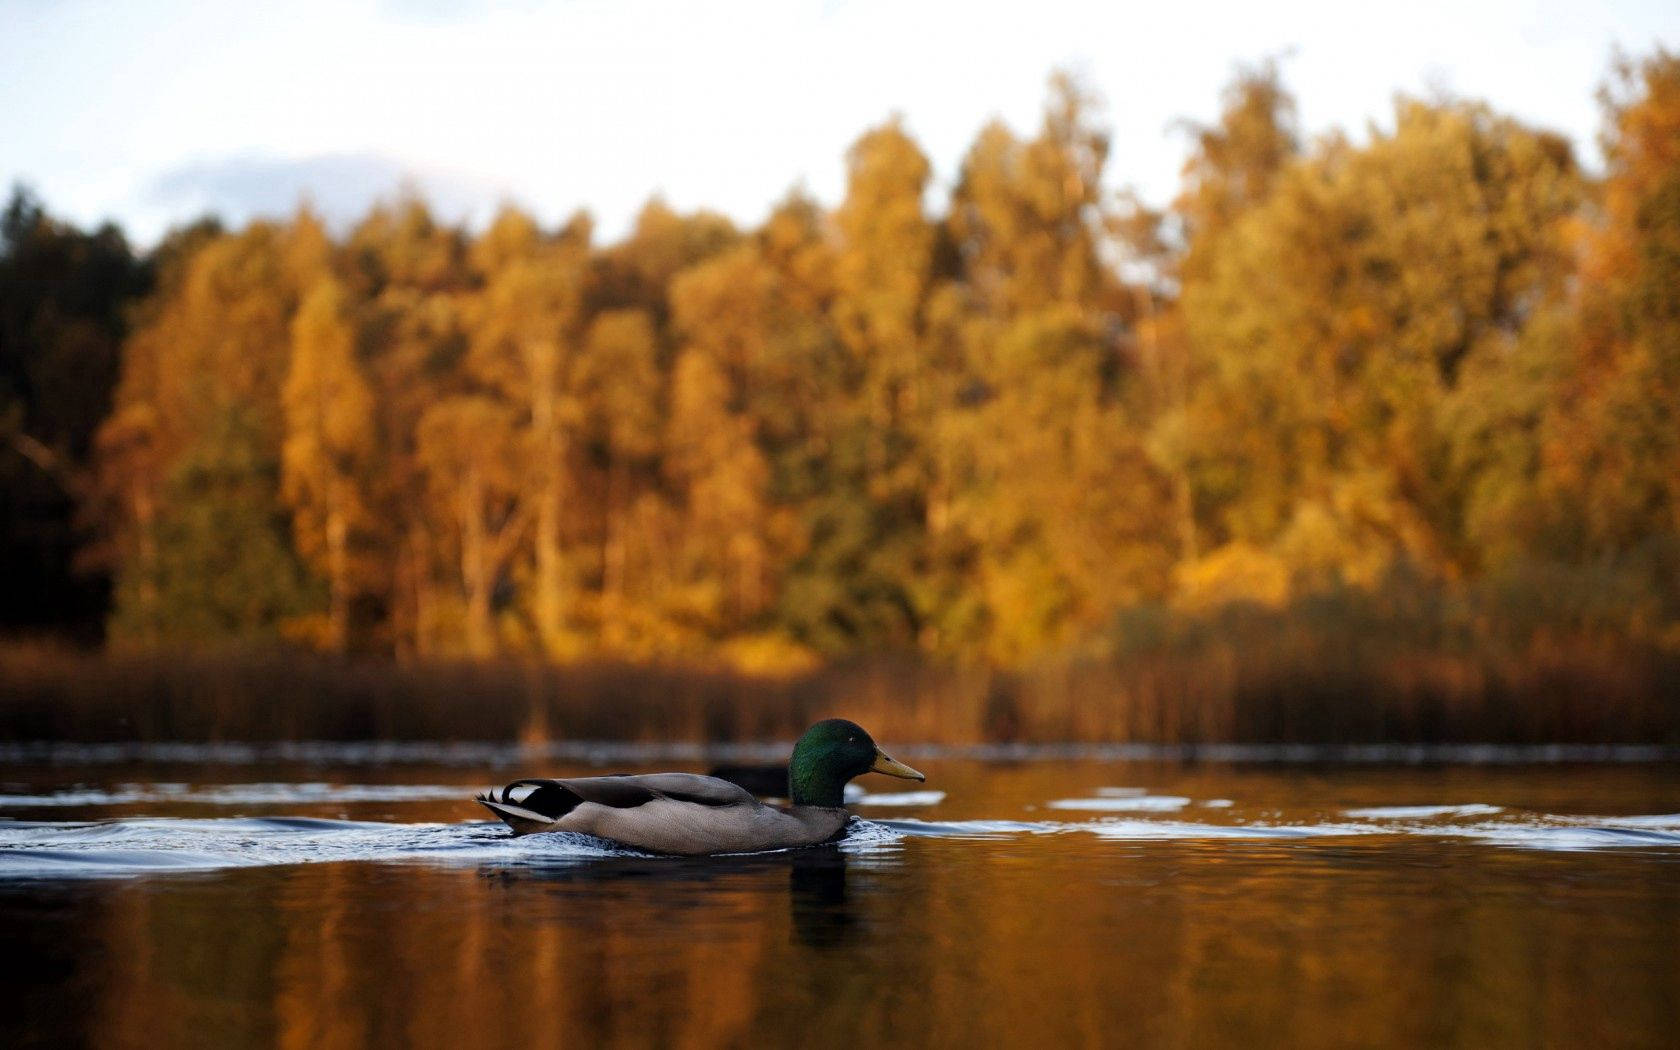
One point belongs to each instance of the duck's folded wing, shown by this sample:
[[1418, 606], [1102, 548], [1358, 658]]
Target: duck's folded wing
[[690, 787], [548, 801]]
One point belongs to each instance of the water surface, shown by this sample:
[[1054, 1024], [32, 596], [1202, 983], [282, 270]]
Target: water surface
[[330, 896]]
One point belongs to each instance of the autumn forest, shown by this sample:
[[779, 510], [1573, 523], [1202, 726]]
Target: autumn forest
[[1423, 376]]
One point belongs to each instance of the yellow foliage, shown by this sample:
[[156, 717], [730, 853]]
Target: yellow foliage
[[768, 653], [1234, 573], [1435, 349]]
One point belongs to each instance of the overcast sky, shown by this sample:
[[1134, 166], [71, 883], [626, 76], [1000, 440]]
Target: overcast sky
[[152, 113]]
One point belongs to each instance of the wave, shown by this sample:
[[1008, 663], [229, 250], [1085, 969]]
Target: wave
[[1531, 831], [128, 847], [976, 829], [138, 846], [899, 798], [257, 794], [1473, 809], [1570, 837], [1123, 803]]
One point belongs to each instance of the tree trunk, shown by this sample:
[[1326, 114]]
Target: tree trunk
[[145, 513], [543, 363], [476, 570], [412, 630], [550, 608], [1186, 509], [612, 550], [338, 571]]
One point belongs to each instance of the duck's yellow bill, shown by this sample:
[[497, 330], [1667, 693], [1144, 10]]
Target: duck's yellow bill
[[893, 768]]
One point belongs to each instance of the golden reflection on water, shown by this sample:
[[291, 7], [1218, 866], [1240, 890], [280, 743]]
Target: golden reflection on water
[[1054, 940]]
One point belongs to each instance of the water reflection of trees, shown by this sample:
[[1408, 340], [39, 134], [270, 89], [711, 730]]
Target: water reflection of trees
[[1041, 942]]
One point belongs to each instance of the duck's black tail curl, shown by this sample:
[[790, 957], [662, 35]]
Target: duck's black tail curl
[[538, 810]]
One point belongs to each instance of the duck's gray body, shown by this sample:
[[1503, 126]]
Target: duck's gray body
[[677, 813]]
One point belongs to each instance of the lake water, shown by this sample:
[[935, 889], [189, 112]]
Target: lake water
[[342, 896]]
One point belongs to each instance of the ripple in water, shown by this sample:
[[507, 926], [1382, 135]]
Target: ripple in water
[[1123, 803], [260, 794], [122, 847], [1141, 830], [35, 849], [900, 798], [1474, 809], [31, 849], [977, 829], [1573, 833]]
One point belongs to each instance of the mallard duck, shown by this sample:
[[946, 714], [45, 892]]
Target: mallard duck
[[688, 814]]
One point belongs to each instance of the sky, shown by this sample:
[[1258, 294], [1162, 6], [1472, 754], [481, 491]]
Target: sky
[[153, 113]]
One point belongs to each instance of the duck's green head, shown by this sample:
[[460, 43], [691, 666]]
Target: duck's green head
[[831, 753]]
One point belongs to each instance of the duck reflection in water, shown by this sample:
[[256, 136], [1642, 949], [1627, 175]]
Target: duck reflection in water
[[821, 914], [822, 917]]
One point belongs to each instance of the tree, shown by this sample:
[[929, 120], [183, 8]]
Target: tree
[[1612, 441], [1054, 495], [623, 390], [725, 564], [1232, 168], [882, 270], [203, 366], [1336, 325], [527, 346], [474, 460], [639, 271], [62, 297], [1026, 214], [1235, 162], [413, 282], [724, 311], [861, 496], [221, 568], [329, 445]]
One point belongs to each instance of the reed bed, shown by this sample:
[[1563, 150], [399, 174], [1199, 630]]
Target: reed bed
[[1254, 686]]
